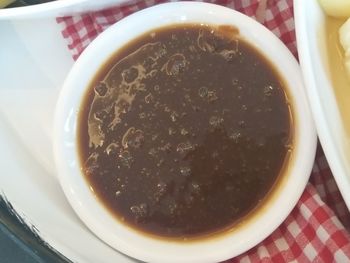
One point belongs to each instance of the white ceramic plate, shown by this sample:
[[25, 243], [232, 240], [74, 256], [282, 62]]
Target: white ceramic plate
[[57, 8], [311, 39], [30, 78]]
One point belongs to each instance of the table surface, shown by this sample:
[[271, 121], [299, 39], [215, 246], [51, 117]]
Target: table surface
[[19, 244], [11, 249]]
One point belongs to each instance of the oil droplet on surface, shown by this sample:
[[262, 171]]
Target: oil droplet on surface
[[185, 171]]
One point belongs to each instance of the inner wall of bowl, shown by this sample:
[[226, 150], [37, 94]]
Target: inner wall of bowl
[[90, 210]]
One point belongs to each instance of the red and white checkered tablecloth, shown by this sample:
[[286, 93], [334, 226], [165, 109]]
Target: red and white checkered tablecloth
[[317, 230]]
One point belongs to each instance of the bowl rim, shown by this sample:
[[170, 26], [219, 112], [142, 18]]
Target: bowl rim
[[75, 187]]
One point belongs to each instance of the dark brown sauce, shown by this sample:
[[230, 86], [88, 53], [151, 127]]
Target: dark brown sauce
[[184, 131]]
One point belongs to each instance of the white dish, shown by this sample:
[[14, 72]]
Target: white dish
[[130, 241], [28, 94], [58, 8], [311, 39]]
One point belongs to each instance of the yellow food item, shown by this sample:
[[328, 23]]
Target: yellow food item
[[336, 8], [344, 38], [4, 3]]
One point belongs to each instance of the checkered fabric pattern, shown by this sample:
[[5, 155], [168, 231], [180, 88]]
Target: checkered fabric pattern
[[317, 230]]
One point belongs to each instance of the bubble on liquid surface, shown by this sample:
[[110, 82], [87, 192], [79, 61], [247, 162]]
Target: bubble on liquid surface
[[174, 116], [172, 208], [268, 91], [204, 43], [229, 55], [161, 189], [188, 98], [211, 96], [242, 124], [195, 188], [175, 65], [152, 152], [142, 115], [166, 148], [156, 88], [112, 149], [184, 147], [139, 211], [91, 163], [184, 131], [101, 115], [131, 74], [235, 136], [171, 131], [215, 121], [101, 89], [149, 98], [125, 158], [123, 106], [185, 171], [203, 92], [133, 138]]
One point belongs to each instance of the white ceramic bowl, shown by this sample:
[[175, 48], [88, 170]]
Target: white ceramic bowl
[[123, 238], [312, 48], [58, 8]]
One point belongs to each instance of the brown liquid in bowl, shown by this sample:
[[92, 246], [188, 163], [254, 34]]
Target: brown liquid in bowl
[[184, 131]]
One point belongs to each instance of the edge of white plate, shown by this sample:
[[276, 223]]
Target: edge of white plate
[[58, 8], [317, 85]]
